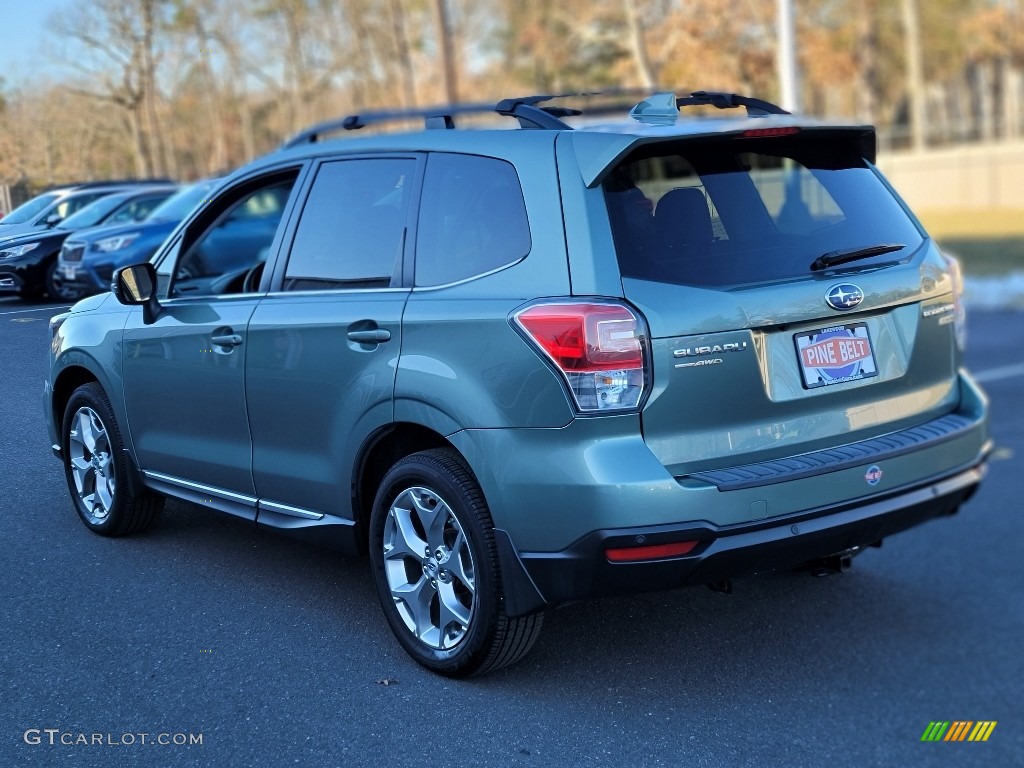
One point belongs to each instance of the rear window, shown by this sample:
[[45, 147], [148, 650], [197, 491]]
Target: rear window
[[715, 213]]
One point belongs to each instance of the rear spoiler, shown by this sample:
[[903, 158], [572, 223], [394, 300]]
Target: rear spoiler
[[598, 152]]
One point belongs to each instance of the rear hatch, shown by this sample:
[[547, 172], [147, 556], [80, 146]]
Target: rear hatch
[[793, 304]]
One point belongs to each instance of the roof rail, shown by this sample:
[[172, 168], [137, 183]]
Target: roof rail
[[441, 116], [108, 183], [529, 113]]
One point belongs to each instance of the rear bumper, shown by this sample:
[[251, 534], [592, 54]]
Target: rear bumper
[[584, 571], [809, 506]]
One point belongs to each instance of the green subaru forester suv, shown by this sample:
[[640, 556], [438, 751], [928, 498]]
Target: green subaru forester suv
[[600, 353]]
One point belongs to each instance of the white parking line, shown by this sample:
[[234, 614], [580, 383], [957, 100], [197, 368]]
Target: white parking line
[[37, 309], [1003, 372]]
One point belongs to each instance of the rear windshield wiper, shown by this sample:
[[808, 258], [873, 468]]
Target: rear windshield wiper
[[832, 258]]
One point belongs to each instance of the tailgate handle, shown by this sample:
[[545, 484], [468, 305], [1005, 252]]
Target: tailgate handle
[[375, 336]]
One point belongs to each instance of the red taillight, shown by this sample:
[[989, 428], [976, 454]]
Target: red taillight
[[598, 348], [959, 312], [650, 551], [754, 133], [585, 337]]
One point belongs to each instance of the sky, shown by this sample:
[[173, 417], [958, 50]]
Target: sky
[[23, 38]]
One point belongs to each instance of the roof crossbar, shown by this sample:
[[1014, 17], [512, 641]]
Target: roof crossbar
[[529, 118], [530, 115]]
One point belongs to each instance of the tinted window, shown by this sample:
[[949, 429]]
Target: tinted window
[[721, 213], [352, 226], [93, 213], [74, 204], [228, 255], [136, 210], [27, 211], [180, 205], [472, 219]]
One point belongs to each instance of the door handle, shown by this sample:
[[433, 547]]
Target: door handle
[[226, 340], [376, 336]]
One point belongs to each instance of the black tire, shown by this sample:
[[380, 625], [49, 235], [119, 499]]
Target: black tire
[[31, 293], [96, 468], [56, 288], [489, 640]]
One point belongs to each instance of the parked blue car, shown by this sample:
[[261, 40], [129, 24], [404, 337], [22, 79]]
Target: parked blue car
[[28, 262], [88, 259]]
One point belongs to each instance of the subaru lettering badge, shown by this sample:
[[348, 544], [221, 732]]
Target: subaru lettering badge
[[874, 475], [844, 296]]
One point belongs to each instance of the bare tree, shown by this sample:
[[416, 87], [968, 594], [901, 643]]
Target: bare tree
[[446, 50], [198, 86], [915, 72], [400, 34], [114, 46], [867, 61], [638, 45]]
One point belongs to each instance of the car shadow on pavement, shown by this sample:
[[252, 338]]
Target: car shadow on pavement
[[768, 625]]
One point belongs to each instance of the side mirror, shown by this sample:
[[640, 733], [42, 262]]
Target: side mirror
[[135, 285], [53, 220]]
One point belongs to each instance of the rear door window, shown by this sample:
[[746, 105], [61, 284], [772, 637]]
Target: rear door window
[[352, 230], [472, 219], [728, 212]]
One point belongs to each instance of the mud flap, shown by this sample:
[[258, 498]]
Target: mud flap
[[521, 595]]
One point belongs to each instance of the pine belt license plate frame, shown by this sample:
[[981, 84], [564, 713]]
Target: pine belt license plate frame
[[835, 355]]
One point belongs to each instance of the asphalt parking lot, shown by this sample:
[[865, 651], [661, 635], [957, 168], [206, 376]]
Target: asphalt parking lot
[[277, 654]]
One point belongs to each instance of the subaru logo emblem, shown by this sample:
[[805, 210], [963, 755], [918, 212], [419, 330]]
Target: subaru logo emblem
[[844, 296]]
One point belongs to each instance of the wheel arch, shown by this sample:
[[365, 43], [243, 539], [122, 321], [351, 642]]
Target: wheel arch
[[70, 378], [67, 381], [379, 452]]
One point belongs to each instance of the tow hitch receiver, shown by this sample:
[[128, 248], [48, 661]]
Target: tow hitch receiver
[[831, 564]]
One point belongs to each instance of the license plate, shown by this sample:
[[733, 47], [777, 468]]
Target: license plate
[[835, 354], [69, 272]]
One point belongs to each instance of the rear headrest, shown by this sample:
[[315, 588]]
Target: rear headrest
[[683, 218]]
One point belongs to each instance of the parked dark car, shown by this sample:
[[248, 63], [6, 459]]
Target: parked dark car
[[49, 208], [28, 264], [89, 258]]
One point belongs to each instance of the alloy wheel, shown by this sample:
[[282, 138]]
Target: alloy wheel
[[429, 568], [92, 464]]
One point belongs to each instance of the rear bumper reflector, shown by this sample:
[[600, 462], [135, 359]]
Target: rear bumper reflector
[[649, 552]]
